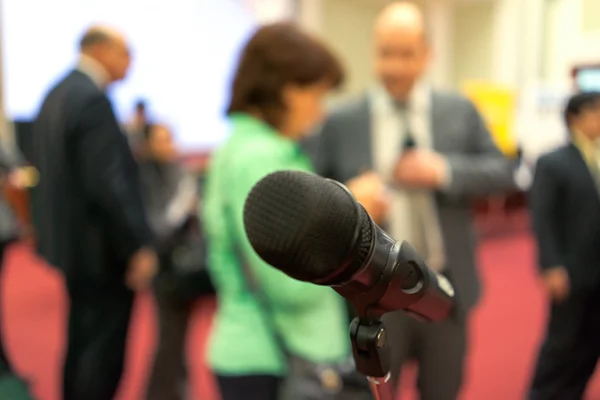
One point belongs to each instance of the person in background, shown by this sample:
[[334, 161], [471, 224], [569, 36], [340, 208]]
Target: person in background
[[171, 199], [281, 81], [136, 127], [140, 118], [415, 157], [91, 222], [565, 206]]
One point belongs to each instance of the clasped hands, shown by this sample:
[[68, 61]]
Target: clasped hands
[[141, 270], [557, 283], [417, 168]]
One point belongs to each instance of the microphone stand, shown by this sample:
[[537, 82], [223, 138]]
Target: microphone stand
[[368, 338]]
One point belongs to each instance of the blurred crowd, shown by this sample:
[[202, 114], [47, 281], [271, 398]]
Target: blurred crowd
[[118, 213]]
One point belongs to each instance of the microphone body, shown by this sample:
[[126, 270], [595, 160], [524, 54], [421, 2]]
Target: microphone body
[[396, 278], [312, 229]]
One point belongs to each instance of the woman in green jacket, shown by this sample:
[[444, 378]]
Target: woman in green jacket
[[282, 79]]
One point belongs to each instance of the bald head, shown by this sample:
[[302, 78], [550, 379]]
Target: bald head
[[401, 16], [108, 47], [401, 49], [99, 35]]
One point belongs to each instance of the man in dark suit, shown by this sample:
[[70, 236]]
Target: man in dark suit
[[427, 154], [91, 222], [565, 204]]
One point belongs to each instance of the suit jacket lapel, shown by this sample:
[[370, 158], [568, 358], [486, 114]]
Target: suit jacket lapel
[[585, 170], [363, 132], [436, 138]]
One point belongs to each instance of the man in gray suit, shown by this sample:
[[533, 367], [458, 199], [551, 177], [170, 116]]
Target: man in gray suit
[[414, 157]]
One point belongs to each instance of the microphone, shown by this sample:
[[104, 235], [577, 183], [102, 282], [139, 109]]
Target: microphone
[[313, 230]]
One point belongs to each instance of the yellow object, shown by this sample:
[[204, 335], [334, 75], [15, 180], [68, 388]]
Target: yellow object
[[28, 177], [497, 104]]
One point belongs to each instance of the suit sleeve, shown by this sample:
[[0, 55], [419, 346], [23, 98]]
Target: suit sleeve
[[106, 171], [320, 148], [278, 287], [483, 170], [544, 202]]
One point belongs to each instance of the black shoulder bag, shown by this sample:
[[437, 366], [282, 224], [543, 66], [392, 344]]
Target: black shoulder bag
[[189, 278]]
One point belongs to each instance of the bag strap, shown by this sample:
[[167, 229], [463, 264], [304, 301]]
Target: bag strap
[[252, 284], [254, 287]]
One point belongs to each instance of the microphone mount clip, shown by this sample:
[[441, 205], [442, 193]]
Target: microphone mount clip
[[369, 342]]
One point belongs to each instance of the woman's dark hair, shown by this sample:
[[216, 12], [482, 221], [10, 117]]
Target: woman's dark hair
[[278, 55]]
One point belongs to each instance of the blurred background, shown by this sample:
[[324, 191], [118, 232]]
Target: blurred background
[[517, 60]]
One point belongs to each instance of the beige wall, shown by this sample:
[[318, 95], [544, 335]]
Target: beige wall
[[572, 36], [590, 16], [347, 26], [472, 42]]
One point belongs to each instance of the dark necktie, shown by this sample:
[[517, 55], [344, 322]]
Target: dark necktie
[[408, 141], [425, 238]]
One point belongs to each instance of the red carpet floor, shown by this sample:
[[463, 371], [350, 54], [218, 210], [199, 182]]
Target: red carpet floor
[[505, 328]]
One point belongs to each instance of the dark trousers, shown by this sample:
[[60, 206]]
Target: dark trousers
[[97, 334], [5, 365], [569, 353], [248, 387], [439, 348], [168, 380]]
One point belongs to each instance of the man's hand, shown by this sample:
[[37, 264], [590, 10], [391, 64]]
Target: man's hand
[[141, 270], [23, 177], [370, 191], [18, 178], [557, 283], [421, 169]]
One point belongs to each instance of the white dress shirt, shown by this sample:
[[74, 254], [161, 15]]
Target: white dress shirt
[[94, 70]]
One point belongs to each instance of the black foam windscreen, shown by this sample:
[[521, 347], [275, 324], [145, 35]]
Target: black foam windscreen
[[306, 226]]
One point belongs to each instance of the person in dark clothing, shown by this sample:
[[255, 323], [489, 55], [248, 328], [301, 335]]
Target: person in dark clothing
[[170, 195], [90, 220], [565, 205], [136, 128]]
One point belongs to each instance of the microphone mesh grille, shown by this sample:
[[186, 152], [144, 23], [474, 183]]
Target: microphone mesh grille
[[304, 225]]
